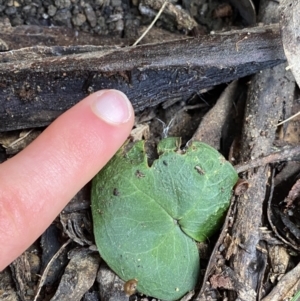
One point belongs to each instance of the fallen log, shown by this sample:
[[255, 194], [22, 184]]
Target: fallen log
[[40, 83]]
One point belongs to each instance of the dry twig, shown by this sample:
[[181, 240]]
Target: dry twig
[[152, 23], [44, 276], [283, 155]]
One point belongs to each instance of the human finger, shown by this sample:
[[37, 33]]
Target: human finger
[[36, 184]]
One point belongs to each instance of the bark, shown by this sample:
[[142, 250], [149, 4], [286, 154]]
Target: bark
[[40, 83]]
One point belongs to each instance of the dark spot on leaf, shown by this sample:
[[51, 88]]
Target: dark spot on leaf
[[139, 174], [116, 192], [165, 163]]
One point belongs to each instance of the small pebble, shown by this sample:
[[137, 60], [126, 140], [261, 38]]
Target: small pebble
[[120, 25], [41, 10], [17, 21], [52, 10], [63, 17], [62, 3], [90, 15], [101, 21], [114, 18], [116, 3], [26, 9], [78, 19], [10, 3], [11, 10]]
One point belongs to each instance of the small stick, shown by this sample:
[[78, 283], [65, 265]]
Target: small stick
[[288, 119], [283, 155], [285, 285], [43, 278], [19, 139], [151, 25]]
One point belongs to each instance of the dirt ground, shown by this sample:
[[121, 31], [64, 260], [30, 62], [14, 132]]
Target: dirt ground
[[255, 256]]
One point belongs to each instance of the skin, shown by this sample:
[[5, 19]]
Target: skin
[[37, 183]]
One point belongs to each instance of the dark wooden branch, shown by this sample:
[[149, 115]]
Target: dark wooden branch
[[39, 83]]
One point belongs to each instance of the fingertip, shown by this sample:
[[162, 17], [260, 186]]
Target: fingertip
[[112, 106]]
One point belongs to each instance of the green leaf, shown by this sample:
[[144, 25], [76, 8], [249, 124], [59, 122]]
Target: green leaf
[[146, 219]]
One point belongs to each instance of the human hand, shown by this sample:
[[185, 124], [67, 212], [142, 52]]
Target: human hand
[[37, 183]]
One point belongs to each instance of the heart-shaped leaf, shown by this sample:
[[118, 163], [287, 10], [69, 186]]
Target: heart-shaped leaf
[[147, 218]]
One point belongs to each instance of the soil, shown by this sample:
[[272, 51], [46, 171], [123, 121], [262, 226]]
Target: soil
[[258, 246]]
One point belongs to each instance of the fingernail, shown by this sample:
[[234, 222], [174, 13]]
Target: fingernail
[[112, 106]]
